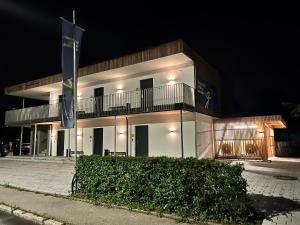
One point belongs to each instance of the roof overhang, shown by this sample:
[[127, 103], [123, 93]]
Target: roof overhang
[[272, 121], [167, 56]]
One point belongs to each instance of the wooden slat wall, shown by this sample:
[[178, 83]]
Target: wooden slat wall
[[167, 49]]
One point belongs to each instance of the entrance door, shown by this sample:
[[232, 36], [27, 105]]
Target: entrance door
[[98, 93], [98, 141], [60, 142], [146, 93], [141, 140]]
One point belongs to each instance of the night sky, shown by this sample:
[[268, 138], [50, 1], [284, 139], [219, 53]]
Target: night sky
[[255, 48]]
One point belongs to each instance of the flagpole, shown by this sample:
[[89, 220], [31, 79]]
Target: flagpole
[[75, 89]]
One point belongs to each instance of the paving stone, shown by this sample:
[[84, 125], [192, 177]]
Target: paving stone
[[5, 208], [261, 180], [52, 222], [33, 218], [45, 176]]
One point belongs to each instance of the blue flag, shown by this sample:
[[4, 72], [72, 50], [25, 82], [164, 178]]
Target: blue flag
[[70, 33]]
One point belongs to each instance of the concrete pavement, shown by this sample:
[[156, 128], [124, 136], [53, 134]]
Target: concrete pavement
[[279, 199], [48, 176], [272, 193], [77, 212]]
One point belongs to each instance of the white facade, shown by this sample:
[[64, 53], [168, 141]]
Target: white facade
[[164, 131], [179, 74]]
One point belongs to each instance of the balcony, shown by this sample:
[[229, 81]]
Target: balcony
[[162, 98]]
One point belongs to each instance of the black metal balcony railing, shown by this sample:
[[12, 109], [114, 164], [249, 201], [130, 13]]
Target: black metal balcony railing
[[162, 98]]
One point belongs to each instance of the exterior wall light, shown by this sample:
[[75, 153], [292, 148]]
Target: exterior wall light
[[261, 134], [171, 82]]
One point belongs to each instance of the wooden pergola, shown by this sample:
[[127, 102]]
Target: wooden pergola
[[246, 137]]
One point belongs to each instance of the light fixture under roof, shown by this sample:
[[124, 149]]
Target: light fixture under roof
[[245, 126]]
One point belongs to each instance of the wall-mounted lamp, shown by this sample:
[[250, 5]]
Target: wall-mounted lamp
[[121, 132], [261, 134], [171, 82], [119, 91], [172, 131]]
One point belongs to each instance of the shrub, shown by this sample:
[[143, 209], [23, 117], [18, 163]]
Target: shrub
[[200, 189]]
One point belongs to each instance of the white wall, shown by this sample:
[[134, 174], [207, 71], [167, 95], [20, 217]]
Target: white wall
[[162, 142], [204, 136]]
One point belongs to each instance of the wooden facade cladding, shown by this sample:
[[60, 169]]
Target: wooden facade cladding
[[163, 50]]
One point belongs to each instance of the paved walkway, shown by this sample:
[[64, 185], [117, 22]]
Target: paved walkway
[[279, 199], [77, 212], [51, 176]]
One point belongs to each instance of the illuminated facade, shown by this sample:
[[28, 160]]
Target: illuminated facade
[[162, 101]]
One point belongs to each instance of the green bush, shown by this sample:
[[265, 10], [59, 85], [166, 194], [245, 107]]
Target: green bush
[[199, 189]]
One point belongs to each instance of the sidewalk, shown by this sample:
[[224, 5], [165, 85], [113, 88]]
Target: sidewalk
[[47, 176], [77, 212]]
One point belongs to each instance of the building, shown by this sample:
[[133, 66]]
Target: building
[[163, 101]]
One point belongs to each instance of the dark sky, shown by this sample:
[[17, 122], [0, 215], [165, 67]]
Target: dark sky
[[254, 47]]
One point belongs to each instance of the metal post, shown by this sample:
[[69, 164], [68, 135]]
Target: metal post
[[126, 136], [34, 140], [69, 143], [22, 128], [75, 89], [115, 145], [213, 140], [181, 134], [196, 141], [50, 142]]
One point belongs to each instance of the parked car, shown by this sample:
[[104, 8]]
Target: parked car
[[3, 150]]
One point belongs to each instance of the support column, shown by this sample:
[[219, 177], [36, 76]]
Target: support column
[[127, 136], [69, 143], [213, 140], [21, 140], [22, 129], [115, 136], [196, 141], [181, 134], [50, 141], [34, 140]]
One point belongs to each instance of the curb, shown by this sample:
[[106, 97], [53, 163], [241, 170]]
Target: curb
[[29, 216], [71, 162]]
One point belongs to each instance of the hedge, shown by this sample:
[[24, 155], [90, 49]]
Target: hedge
[[190, 188]]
